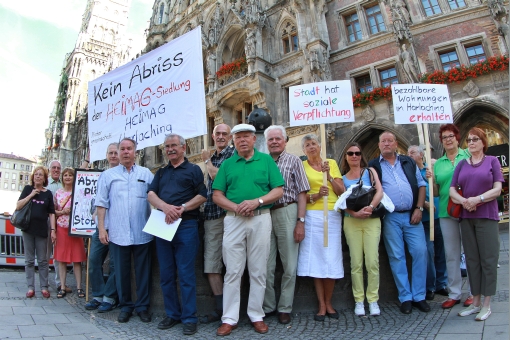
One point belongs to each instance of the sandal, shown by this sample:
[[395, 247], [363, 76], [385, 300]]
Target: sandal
[[81, 293], [61, 293]]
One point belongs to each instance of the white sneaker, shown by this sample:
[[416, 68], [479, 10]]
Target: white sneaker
[[359, 309], [484, 314], [470, 310], [374, 309]]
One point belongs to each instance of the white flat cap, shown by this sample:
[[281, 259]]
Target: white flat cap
[[242, 127]]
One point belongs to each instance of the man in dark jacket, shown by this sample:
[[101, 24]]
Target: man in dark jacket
[[402, 182]]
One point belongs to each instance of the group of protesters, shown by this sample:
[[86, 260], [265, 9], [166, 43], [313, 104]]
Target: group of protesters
[[256, 205]]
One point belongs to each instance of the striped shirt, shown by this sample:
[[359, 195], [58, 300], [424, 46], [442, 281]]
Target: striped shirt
[[211, 210], [294, 175], [53, 185], [396, 185], [124, 195]]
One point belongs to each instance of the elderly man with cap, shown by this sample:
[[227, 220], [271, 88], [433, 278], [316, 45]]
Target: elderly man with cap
[[246, 186]]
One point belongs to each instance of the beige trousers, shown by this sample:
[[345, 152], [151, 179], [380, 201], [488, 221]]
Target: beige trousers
[[245, 239]]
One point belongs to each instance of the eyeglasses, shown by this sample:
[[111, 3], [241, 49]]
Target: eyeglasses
[[474, 140], [447, 137], [352, 153]]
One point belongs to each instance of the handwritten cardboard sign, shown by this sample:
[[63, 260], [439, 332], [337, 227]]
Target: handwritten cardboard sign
[[161, 92], [321, 103], [421, 103], [82, 221]]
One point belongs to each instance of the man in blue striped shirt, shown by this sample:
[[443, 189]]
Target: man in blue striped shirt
[[122, 195]]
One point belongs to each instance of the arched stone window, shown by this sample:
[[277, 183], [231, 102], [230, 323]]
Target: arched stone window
[[290, 41], [161, 12]]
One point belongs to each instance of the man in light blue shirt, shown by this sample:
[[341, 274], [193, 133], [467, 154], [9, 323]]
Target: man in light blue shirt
[[122, 198], [402, 182]]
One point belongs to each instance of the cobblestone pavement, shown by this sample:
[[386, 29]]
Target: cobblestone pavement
[[67, 318]]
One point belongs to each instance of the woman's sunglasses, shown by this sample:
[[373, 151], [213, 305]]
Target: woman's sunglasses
[[352, 153]]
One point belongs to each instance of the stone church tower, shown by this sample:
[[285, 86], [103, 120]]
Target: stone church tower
[[101, 46]]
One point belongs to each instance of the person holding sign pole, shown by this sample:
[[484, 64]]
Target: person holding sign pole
[[178, 190], [450, 227], [479, 220], [324, 264], [121, 200], [437, 279], [67, 248], [402, 182], [246, 186], [362, 233], [104, 295]]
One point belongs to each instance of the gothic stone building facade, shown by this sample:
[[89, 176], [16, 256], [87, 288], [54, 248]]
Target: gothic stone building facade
[[371, 43]]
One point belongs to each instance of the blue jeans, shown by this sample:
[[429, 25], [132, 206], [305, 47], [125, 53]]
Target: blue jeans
[[397, 230], [142, 263], [437, 278], [177, 257], [100, 290]]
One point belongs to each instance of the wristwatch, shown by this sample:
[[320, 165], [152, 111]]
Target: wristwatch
[[421, 208], [206, 161], [481, 198], [301, 219], [184, 206], [260, 202]]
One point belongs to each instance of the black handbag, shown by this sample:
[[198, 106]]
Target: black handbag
[[21, 218], [361, 197]]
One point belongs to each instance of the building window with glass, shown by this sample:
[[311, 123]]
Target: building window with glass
[[375, 19], [26, 177], [363, 84], [388, 77], [13, 186], [431, 7], [160, 13], [449, 60], [6, 175], [6, 185], [353, 27], [290, 39], [476, 54], [454, 4]]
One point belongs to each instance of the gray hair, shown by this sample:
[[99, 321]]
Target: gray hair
[[310, 136], [418, 148], [182, 141], [130, 140], [388, 132], [276, 127], [53, 161]]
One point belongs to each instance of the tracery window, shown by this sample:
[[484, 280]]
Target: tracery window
[[290, 39]]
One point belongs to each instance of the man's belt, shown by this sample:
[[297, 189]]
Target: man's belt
[[281, 205], [401, 211], [255, 213]]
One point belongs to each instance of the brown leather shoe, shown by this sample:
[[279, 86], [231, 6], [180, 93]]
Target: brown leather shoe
[[225, 329], [284, 318], [450, 303], [260, 327]]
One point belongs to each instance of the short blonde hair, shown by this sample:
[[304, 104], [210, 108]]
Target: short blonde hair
[[45, 173]]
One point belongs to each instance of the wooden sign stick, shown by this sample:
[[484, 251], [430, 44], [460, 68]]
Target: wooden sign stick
[[431, 182], [87, 275], [324, 183]]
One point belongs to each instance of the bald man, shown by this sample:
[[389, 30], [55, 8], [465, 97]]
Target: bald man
[[214, 216]]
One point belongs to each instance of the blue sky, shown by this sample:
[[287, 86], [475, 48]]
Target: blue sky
[[35, 37]]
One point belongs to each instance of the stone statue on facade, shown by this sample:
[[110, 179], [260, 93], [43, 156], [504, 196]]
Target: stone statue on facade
[[249, 45], [409, 65], [500, 16], [399, 11], [211, 63]]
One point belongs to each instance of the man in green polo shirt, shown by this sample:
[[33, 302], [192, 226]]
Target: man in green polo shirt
[[246, 186]]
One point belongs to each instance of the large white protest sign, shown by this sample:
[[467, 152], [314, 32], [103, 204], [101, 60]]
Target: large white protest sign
[[81, 220], [421, 103], [159, 93], [321, 103]]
